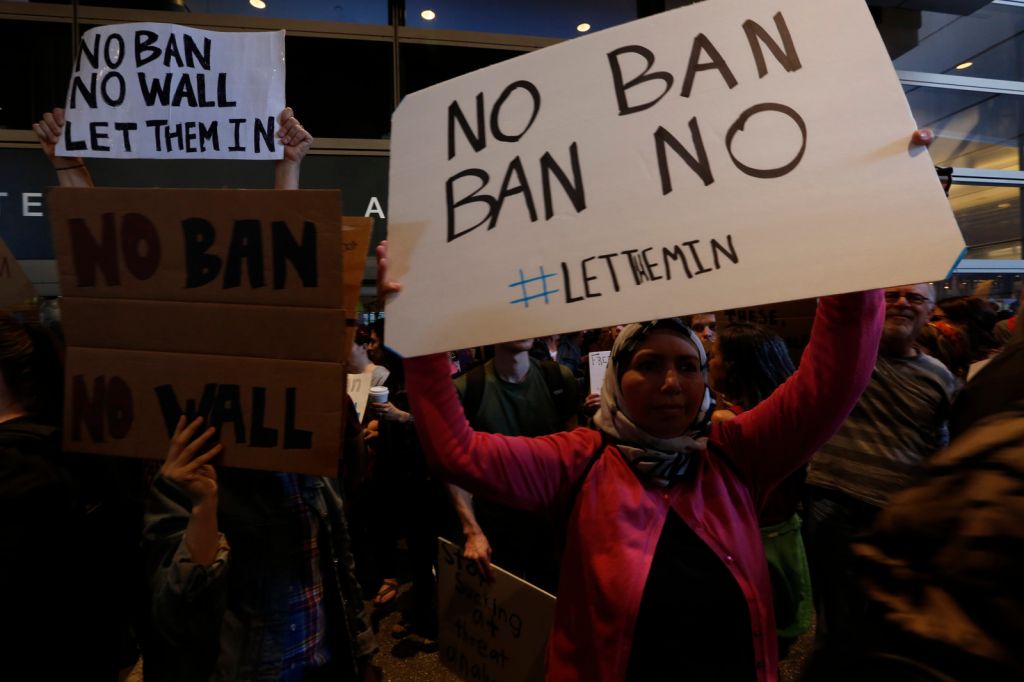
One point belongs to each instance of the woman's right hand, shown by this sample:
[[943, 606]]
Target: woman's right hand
[[186, 468]]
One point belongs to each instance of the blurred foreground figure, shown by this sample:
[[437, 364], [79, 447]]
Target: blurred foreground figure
[[944, 561]]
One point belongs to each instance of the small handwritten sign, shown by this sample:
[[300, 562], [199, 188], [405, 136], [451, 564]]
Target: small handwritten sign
[[490, 630], [359, 391], [173, 92], [598, 364], [719, 155]]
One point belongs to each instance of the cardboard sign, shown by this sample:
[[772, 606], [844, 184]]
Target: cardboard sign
[[490, 630], [359, 391], [225, 304], [164, 91], [598, 364], [270, 414], [219, 246], [356, 242], [723, 154], [15, 287], [791, 320]]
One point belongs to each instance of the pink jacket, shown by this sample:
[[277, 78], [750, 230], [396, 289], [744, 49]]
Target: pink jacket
[[618, 520]]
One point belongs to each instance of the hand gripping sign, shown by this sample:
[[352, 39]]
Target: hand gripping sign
[[724, 154], [172, 92]]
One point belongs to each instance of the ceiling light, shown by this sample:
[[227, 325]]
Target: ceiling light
[[1003, 205], [428, 15], [583, 28], [964, 65], [258, 4]]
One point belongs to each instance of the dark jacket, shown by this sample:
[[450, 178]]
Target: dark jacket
[[225, 621]]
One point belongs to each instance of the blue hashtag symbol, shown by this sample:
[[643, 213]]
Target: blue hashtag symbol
[[527, 296]]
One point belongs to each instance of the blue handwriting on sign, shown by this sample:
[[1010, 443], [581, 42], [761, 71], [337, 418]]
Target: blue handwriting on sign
[[527, 296]]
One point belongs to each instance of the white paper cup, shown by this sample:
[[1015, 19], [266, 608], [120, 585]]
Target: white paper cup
[[378, 394]]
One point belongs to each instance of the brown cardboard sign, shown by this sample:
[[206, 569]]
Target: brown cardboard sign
[[220, 246], [281, 332], [270, 414], [792, 320], [356, 242], [225, 304]]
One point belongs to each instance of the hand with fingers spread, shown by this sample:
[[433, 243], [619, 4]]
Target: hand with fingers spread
[[71, 170], [296, 141], [188, 466]]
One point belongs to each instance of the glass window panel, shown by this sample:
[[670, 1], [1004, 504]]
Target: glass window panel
[[355, 12], [988, 217], [523, 17], [425, 65], [38, 55], [334, 101], [974, 129], [1002, 288], [989, 37]]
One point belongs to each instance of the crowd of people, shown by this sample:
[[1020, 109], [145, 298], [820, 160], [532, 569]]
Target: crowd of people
[[694, 511]]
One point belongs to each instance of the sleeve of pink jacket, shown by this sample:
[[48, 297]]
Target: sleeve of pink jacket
[[775, 438], [527, 473]]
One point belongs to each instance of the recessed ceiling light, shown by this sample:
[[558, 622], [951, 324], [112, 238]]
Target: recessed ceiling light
[[583, 28], [258, 4], [964, 65], [1005, 204], [428, 15]]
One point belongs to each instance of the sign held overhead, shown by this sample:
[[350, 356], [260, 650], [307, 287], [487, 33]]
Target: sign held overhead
[[173, 92], [720, 155]]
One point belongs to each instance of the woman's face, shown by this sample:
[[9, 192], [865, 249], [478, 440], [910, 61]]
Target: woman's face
[[662, 388]]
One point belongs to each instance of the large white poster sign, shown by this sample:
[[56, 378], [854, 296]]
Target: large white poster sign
[[490, 630], [724, 154], [165, 91]]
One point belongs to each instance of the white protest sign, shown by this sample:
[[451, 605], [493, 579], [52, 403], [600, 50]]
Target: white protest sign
[[490, 630], [165, 91], [359, 391], [724, 154], [598, 364]]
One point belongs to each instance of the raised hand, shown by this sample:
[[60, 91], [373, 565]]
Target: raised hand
[[187, 466]]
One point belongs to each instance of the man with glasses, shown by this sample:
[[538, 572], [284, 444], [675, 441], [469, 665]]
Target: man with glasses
[[899, 421]]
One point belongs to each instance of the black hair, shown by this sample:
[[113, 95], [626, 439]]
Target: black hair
[[363, 335], [755, 362], [975, 316], [32, 368]]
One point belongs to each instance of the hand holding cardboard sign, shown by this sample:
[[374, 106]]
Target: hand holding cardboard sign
[[71, 170]]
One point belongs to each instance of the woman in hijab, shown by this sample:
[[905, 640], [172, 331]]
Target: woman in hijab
[[663, 575]]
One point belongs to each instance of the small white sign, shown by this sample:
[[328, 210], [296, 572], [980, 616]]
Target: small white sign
[[490, 630], [359, 391], [723, 154], [164, 91], [598, 364]]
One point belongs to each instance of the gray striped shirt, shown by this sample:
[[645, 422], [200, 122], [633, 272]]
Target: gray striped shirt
[[899, 421]]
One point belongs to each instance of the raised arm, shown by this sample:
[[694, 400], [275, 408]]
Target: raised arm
[[296, 141], [527, 473], [772, 440], [71, 170]]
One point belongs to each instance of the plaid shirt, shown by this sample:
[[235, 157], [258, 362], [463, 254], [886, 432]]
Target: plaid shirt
[[304, 644]]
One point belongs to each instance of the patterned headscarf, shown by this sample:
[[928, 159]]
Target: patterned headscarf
[[660, 460]]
